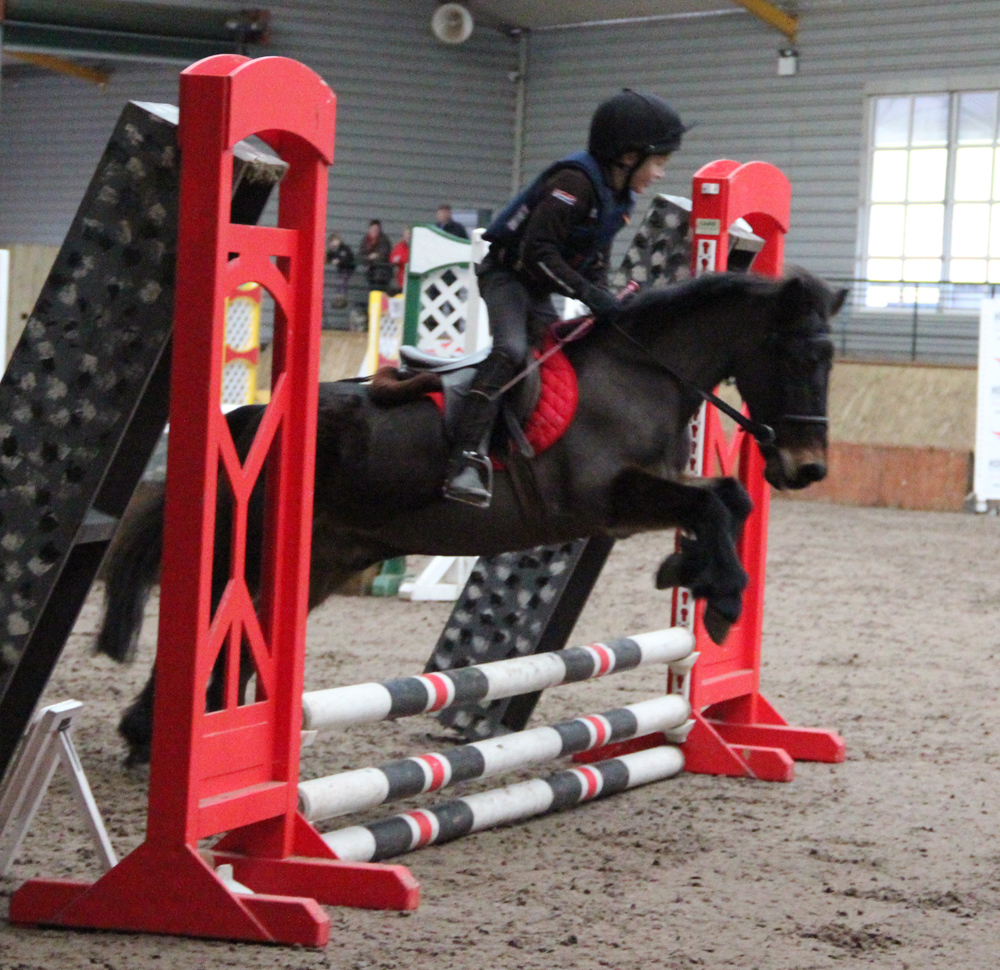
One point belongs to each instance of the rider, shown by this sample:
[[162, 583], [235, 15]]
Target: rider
[[555, 237]]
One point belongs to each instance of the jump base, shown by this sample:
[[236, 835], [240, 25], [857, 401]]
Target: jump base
[[765, 750]]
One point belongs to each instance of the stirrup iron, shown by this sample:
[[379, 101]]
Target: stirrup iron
[[478, 493]]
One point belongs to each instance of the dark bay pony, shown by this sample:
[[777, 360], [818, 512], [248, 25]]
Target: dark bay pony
[[617, 470]]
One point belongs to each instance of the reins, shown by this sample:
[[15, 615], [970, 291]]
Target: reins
[[581, 326]]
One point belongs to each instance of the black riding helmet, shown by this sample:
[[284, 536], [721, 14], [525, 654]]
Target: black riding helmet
[[634, 122]]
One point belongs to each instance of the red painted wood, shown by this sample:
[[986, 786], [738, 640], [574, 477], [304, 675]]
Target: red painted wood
[[235, 769], [725, 682]]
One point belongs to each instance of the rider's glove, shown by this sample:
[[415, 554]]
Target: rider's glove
[[604, 305]]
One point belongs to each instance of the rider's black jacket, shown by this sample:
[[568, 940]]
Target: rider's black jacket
[[556, 235]]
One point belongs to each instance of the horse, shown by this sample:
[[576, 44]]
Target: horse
[[616, 471]]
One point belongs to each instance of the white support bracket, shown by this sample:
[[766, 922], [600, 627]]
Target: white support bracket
[[47, 743], [443, 578]]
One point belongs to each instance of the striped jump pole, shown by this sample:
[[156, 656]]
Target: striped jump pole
[[451, 820], [342, 707], [354, 791]]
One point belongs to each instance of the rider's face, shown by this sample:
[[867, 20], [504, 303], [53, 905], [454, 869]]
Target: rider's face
[[650, 171]]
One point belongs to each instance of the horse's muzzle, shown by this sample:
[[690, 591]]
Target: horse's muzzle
[[790, 468]]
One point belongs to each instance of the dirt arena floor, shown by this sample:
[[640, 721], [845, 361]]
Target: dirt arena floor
[[882, 624]]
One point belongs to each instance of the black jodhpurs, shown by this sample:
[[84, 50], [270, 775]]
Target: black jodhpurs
[[519, 316]]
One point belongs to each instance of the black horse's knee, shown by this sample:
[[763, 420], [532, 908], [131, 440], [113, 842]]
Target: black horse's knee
[[731, 493]]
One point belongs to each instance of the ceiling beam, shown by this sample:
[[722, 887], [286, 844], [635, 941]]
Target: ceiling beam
[[772, 15], [108, 29], [62, 65]]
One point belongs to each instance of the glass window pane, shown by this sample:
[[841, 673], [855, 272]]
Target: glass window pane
[[885, 230], [930, 120], [977, 117], [973, 173], [927, 174], [996, 174], [995, 232], [885, 269], [892, 122], [970, 229], [881, 295], [921, 270], [924, 230], [921, 294], [968, 270], [889, 176]]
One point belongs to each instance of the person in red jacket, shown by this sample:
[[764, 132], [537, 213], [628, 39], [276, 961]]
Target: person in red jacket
[[400, 258]]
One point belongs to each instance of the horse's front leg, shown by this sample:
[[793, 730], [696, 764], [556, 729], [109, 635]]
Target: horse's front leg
[[707, 563], [685, 566]]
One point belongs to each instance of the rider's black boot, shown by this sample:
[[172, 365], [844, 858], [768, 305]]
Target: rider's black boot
[[469, 477]]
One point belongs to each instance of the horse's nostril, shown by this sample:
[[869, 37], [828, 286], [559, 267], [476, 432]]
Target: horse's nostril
[[813, 472]]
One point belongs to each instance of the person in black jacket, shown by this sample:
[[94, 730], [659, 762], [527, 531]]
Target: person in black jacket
[[444, 221], [555, 236], [340, 257], [374, 254]]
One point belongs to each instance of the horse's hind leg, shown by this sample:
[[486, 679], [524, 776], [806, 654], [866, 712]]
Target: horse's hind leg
[[707, 562], [136, 725]]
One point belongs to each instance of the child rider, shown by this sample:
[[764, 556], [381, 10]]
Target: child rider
[[555, 237]]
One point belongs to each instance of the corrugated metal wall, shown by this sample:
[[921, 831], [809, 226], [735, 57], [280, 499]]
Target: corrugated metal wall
[[721, 74], [421, 122], [418, 122]]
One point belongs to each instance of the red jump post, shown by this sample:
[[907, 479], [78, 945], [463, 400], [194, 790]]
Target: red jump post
[[737, 731], [235, 770]]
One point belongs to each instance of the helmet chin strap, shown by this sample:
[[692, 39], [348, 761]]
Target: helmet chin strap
[[629, 171]]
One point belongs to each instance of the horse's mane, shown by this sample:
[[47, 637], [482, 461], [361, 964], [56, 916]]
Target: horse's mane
[[678, 302], [680, 299]]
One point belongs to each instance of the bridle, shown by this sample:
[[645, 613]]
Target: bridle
[[762, 433]]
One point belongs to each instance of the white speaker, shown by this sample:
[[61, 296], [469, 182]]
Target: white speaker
[[452, 23]]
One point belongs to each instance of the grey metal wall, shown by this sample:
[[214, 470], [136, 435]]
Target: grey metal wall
[[418, 122], [721, 73]]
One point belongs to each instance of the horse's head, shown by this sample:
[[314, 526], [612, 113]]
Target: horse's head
[[784, 380]]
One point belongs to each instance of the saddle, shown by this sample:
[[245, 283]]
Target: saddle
[[534, 413]]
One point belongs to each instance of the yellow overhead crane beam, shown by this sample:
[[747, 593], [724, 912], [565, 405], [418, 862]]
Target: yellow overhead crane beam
[[773, 15], [61, 65]]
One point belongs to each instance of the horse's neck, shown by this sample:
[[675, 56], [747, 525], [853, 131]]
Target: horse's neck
[[701, 347]]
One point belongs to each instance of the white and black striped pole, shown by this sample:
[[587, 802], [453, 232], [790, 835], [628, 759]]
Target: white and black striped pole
[[342, 707], [451, 820], [354, 791]]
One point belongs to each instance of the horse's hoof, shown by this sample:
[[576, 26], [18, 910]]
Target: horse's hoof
[[716, 624]]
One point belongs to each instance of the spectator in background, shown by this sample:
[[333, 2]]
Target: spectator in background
[[400, 257], [340, 257], [374, 254], [446, 223]]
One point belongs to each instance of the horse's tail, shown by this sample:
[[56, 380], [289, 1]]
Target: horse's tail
[[131, 567]]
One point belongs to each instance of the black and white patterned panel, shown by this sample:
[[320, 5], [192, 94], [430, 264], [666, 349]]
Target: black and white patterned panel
[[660, 253], [100, 324], [504, 611]]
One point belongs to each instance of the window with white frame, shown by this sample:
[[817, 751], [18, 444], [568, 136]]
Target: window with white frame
[[933, 206]]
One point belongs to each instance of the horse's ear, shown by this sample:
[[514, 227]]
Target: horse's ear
[[793, 293], [839, 297]]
